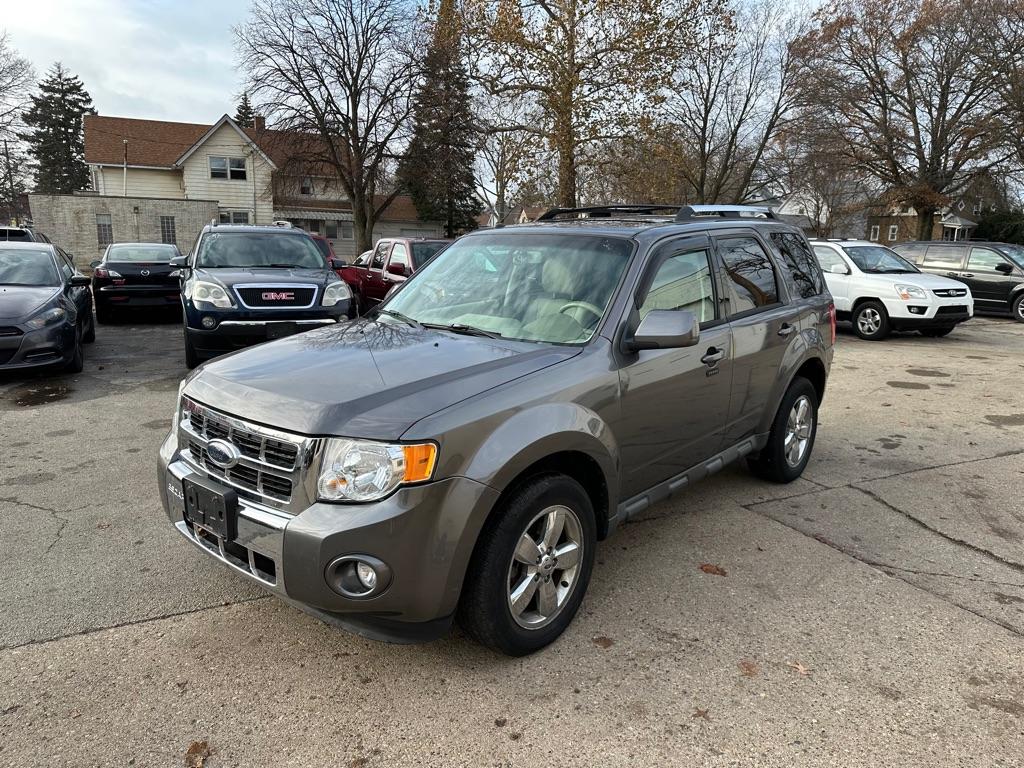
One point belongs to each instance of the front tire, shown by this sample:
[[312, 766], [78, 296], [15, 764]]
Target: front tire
[[791, 439], [531, 567], [77, 361], [1017, 308], [871, 321]]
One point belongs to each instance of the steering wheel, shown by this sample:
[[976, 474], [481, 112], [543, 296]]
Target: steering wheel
[[591, 308]]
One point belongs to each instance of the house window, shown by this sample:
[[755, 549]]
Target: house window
[[332, 230], [346, 230], [167, 231], [104, 230], [894, 231], [313, 225], [306, 187], [227, 168], [874, 233], [234, 217], [977, 208]]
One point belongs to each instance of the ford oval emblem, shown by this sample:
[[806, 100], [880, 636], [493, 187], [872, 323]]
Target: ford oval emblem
[[223, 454]]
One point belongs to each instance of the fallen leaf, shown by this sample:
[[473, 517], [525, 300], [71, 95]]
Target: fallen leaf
[[500, 722], [515, 736], [75, 714], [714, 570], [358, 762], [197, 753], [701, 713], [749, 668], [800, 668], [603, 642]]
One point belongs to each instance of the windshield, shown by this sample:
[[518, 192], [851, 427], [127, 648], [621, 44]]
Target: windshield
[[545, 287], [421, 252], [160, 254], [258, 249], [878, 260], [27, 267]]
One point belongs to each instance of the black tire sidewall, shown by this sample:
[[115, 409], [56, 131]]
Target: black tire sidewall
[[883, 329], [1017, 307], [484, 611], [775, 452], [191, 358]]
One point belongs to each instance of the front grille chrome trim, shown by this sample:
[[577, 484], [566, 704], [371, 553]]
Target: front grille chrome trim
[[276, 287]]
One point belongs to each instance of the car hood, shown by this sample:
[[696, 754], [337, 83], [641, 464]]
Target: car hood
[[922, 280], [19, 300], [264, 275], [362, 378]]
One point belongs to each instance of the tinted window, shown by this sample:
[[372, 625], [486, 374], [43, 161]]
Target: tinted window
[[912, 253], [65, 264], [683, 282], [1015, 252], [800, 267], [945, 256], [17, 235], [829, 257], [25, 267], [159, 254], [399, 255], [423, 251], [752, 277], [251, 249], [984, 260], [379, 254]]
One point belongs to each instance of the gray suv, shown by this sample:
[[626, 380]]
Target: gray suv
[[459, 452]]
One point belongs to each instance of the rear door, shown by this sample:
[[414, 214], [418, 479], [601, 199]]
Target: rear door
[[828, 257], [990, 287], [674, 402], [761, 323]]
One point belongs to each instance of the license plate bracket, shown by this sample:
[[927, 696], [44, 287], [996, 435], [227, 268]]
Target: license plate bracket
[[211, 506], [279, 330]]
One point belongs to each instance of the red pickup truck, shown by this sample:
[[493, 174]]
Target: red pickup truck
[[391, 261]]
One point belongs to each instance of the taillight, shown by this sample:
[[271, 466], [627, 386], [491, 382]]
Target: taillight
[[104, 272], [832, 321]]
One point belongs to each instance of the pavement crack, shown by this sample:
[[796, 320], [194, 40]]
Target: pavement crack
[[917, 572], [56, 514]]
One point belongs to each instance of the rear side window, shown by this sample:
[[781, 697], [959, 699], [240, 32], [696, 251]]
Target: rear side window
[[944, 256], [683, 281], [800, 267], [828, 258], [751, 275]]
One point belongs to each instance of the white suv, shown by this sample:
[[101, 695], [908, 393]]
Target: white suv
[[879, 291]]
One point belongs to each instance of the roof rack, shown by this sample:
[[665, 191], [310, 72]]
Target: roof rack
[[606, 211], [691, 212]]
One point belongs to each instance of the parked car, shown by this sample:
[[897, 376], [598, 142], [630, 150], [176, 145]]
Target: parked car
[[462, 453], [242, 285], [879, 291], [135, 276], [390, 263], [993, 271], [22, 235], [324, 245], [45, 308]]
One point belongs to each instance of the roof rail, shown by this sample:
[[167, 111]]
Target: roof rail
[[690, 212], [605, 211]]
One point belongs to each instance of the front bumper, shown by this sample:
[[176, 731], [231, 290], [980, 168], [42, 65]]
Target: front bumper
[[236, 329], [23, 348], [424, 533], [933, 312], [114, 296]]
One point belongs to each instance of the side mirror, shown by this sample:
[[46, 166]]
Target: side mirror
[[398, 269], [1004, 268], [665, 329], [839, 269], [95, 264], [178, 261], [338, 263], [79, 281]]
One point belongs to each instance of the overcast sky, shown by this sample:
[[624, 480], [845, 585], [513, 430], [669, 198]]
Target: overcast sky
[[156, 59]]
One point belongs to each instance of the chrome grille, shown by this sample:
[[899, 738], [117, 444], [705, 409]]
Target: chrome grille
[[270, 468], [950, 292]]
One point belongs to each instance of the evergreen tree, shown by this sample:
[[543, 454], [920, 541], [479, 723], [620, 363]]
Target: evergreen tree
[[56, 141], [438, 166], [245, 115]]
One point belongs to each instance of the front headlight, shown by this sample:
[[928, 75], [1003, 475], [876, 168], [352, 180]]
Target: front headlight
[[336, 292], [49, 317], [360, 470], [908, 292], [209, 293]]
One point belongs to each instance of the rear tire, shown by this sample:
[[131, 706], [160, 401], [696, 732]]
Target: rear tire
[[1017, 308], [77, 361], [191, 356], [936, 333], [791, 440], [517, 597], [871, 321]]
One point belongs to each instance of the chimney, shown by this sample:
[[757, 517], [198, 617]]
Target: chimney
[[259, 123]]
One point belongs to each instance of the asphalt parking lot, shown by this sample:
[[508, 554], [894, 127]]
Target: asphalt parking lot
[[871, 613]]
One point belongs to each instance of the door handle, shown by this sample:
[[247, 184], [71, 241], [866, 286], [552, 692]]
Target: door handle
[[786, 329], [966, 274], [713, 356], [952, 274]]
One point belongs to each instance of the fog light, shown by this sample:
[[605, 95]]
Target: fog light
[[367, 576], [917, 310], [208, 322]]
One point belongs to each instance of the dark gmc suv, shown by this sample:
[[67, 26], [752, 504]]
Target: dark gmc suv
[[461, 450], [242, 285]]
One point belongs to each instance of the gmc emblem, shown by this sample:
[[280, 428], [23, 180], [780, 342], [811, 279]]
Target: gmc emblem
[[279, 296]]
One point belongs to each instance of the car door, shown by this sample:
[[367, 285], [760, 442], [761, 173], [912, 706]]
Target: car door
[[674, 402], [374, 286], [762, 325], [79, 295], [838, 283], [944, 259], [398, 268], [989, 282]]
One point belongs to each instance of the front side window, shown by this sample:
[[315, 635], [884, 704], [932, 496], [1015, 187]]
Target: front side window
[[944, 256], [27, 267], [828, 258], [232, 168], [104, 230], [399, 255], [800, 267], [258, 249], [380, 253], [549, 288], [984, 260], [877, 259], [153, 254], [168, 233], [684, 282], [751, 275]]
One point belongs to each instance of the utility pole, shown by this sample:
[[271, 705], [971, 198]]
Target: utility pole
[[124, 181], [12, 204]]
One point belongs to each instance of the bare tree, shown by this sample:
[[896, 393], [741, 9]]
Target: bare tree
[[338, 77], [509, 157], [902, 87], [1000, 24], [16, 79]]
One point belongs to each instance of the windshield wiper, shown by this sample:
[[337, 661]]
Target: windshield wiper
[[404, 318], [286, 266], [466, 330]]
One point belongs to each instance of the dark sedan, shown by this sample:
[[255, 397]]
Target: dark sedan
[[135, 276], [45, 308]]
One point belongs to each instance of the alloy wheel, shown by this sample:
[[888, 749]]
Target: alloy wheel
[[869, 321], [545, 567], [798, 431]]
